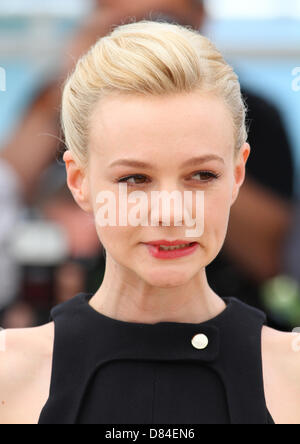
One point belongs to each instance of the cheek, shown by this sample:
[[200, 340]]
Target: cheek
[[115, 239], [216, 214]]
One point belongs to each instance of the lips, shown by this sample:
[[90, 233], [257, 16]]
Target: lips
[[167, 243], [183, 249]]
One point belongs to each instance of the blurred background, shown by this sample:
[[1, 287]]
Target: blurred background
[[49, 250]]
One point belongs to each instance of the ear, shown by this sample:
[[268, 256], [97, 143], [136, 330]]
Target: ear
[[240, 170], [77, 181]]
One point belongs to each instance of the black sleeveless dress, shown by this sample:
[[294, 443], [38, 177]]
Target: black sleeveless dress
[[108, 371]]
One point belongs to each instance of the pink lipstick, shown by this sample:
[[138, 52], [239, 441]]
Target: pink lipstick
[[163, 249]]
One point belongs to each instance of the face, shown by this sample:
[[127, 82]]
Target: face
[[186, 11], [165, 134], [145, 4]]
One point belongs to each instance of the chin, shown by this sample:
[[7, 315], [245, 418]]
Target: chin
[[167, 278]]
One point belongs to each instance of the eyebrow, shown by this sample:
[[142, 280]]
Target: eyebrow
[[141, 164]]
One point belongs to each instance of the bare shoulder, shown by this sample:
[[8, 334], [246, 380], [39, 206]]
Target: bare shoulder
[[25, 367], [282, 347], [281, 366], [23, 344]]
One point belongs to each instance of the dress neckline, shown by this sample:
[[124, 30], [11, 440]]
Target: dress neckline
[[85, 298]]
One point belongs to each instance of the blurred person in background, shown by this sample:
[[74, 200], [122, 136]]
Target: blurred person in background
[[292, 246], [19, 315], [22, 161], [69, 280], [261, 217]]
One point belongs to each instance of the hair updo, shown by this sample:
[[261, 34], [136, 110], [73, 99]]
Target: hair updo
[[148, 58]]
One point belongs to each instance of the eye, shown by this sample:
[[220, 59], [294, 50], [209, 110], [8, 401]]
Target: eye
[[207, 176], [136, 179], [139, 179]]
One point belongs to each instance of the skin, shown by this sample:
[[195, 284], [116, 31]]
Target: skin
[[173, 290]]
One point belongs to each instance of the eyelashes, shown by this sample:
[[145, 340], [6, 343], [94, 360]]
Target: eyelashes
[[135, 176], [210, 177]]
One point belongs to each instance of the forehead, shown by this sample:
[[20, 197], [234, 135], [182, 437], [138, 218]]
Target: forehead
[[151, 125]]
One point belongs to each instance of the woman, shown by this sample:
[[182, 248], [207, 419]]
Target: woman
[[153, 106]]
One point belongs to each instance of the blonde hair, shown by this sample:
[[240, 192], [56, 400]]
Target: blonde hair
[[150, 58]]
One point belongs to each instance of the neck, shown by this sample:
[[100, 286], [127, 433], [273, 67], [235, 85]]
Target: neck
[[125, 296]]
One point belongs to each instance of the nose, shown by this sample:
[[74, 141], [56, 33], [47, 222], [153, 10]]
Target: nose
[[168, 207]]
